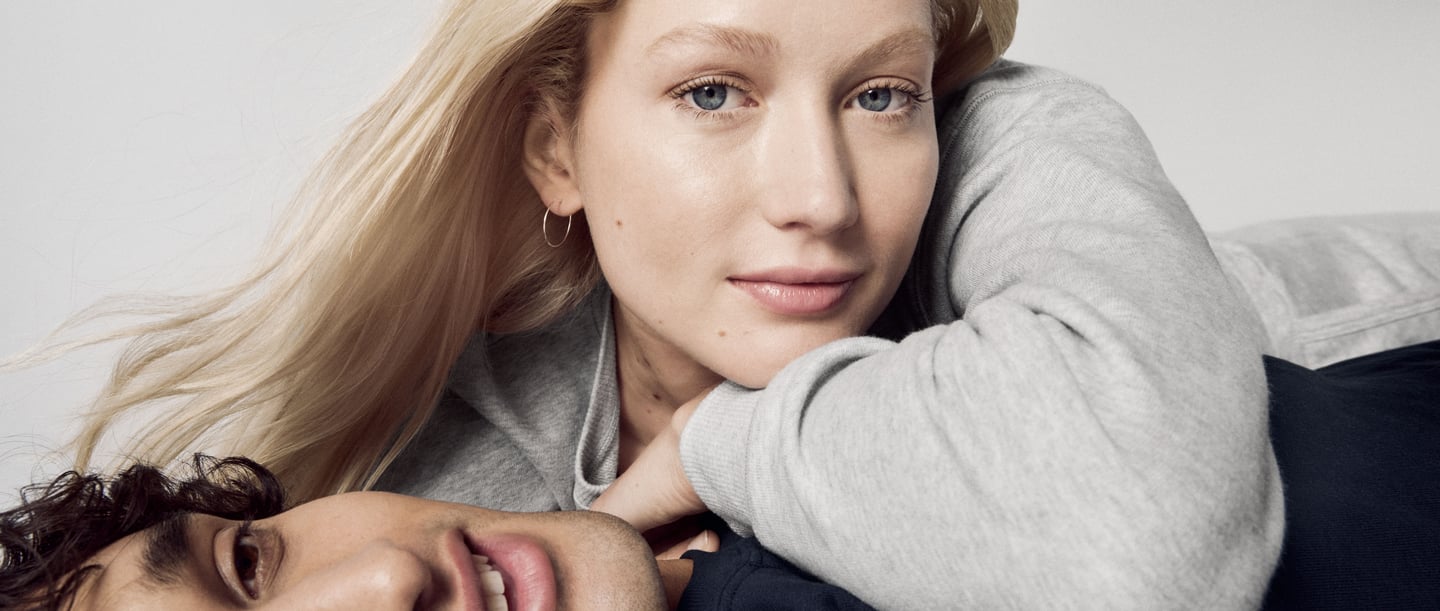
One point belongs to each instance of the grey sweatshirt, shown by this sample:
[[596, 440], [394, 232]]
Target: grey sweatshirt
[[1078, 419]]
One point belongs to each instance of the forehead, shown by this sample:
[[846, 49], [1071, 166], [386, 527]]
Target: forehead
[[794, 25]]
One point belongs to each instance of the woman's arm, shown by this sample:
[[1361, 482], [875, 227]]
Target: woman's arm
[[1086, 426]]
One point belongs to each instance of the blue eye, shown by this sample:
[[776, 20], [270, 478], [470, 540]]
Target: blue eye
[[875, 100], [709, 97]]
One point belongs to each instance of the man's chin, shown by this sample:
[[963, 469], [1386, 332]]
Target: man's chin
[[601, 562]]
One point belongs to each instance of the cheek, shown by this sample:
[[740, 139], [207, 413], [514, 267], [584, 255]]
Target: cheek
[[896, 185], [650, 196]]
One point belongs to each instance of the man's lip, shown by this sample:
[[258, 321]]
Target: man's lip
[[467, 584], [525, 566]]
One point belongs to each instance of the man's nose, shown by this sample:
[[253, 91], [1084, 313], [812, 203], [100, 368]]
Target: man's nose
[[377, 576], [808, 171]]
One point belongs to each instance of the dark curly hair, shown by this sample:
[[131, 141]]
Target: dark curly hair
[[58, 526]]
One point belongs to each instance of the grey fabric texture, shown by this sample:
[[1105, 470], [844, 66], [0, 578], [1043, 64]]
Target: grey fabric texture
[[1075, 417], [530, 421], [1334, 288]]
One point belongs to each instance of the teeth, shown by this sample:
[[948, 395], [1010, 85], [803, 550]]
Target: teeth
[[496, 602], [492, 585]]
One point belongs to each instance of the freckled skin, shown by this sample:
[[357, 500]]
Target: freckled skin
[[781, 175], [795, 175]]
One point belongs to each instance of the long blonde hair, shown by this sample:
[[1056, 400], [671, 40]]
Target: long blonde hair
[[418, 230]]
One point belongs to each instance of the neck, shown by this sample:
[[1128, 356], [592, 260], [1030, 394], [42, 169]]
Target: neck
[[655, 379]]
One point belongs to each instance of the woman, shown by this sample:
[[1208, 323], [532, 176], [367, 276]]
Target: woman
[[755, 180]]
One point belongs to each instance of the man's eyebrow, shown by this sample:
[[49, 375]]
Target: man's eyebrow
[[738, 40], [167, 547]]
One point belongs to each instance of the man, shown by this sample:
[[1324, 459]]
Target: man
[[222, 539]]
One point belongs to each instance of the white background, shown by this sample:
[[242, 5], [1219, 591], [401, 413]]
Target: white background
[[146, 146]]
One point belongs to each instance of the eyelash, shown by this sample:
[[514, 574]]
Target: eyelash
[[246, 539], [685, 89], [918, 97]]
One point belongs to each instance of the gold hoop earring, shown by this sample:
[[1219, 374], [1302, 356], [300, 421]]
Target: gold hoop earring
[[545, 229]]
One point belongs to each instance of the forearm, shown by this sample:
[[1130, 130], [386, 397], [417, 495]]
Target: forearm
[[1088, 424]]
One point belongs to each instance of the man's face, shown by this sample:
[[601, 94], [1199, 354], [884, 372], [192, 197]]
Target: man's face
[[373, 550]]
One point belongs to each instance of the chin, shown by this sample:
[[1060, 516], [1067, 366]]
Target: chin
[[754, 379], [757, 364], [615, 569], [604, 564]]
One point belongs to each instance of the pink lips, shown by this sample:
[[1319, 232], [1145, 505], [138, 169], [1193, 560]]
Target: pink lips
[[525, 567], [796, 291], [467, 582]]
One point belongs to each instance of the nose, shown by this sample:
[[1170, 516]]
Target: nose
[[376, 576], [808, 173]]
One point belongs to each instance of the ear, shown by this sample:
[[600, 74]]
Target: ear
[[550, 162]]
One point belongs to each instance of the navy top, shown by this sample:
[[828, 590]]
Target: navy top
[[1358, 444], [743, 575]]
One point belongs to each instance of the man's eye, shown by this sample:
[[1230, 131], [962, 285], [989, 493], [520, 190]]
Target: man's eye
[[247, 562]]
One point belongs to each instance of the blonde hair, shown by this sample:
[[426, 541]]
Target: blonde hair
[[418, 230]]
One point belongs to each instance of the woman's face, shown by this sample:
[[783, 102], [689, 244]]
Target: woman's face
[[754, 172], [379, 551]]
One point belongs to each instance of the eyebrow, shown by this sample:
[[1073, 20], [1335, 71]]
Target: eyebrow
[[900, 43], [167, 546], [749, 42], [738, 40]]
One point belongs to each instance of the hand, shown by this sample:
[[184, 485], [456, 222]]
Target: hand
[[706, 541], [675, 572], [654, 490]]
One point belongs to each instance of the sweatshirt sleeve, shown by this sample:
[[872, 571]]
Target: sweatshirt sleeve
[[1083, 426]]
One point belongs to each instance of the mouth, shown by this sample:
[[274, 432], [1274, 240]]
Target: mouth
[[796, 292], [505, 573]]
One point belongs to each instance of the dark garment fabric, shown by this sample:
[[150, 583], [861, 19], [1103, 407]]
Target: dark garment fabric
[[743, 575], [1358, 444]]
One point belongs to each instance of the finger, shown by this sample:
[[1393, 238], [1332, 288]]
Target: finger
[[706, 541], [674, 552], [675, 575]]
